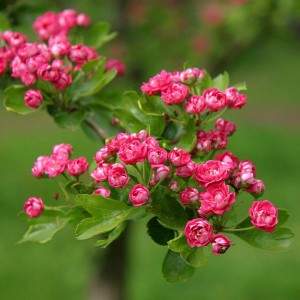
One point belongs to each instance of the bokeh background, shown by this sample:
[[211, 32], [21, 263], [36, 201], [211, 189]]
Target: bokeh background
[[255, 41]]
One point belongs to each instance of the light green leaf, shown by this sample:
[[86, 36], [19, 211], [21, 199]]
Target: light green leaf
[[241, 86], [280, 239], [174, 268], [43, 228], [14, 100], [112, 236], [221, 81]]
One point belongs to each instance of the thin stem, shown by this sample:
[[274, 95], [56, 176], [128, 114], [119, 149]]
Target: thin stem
[[98, 130], [140, 175], [237, 230]]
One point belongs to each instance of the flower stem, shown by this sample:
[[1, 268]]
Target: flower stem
[[98, 130]]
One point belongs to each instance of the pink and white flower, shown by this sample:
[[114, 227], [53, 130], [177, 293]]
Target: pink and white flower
[[179, 157], [198, 232], [33, 207], [189, 195], [77, 166], [195, 105], [102, 191], [215, 99], [33, 98], [220, 244], [175, 93], [264, 215], [139, 195], [117, 176]]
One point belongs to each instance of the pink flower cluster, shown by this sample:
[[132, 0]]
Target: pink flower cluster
[[54, 59], [174, 88], [215, 139], [59, 162]]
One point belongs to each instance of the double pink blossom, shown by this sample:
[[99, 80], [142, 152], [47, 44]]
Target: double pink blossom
[[230, 161], [234, 99], [115, 64], [117, 176], [102, 191], [133, 152], [33, 98], [264, 215], [216, 199], [157, 156], [210, 172], [77, 166], [225, 126], [189, 195], [139, 195], [175, 93], [195, 105], [179, 157], [198, 232], [34, 207], [215, 99]]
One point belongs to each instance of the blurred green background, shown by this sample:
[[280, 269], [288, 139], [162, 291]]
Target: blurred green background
[[267, 59]]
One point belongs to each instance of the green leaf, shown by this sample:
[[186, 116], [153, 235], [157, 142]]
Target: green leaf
[[158, 233], [87, 85], [106, 213], [169, 212], [188, 139], [241, 86], [221, 81], [112, 236], [43, 228], [197, 257], [77, 214], [14, 100], [97, 35], [280, 239], [174, 268], [70, 120]]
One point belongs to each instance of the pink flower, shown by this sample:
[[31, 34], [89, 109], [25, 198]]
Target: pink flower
[[33, 207], [210, 172], [38, 169], [227, 127], [33, 98], [175, 93], [35, 62], [28, 78], [217, 198], [257, 188], [100, 173], [198, 232], [77, 166], [103, 191], [157, 83], [60, 48], [46, 25], [157, 156], [162, 172], [117, 176], [139, 195], [234, 99], [83, 20], [186, 170], [115, 64], [195, 105], [62, 151], [3, 64], [67, 19], [174, 186], [264, 215], [191, 75], [115, 143], [102, 155], [54, 167], [79, 54], [204, 142], [231, 162], [132, 152], [63, 81], [188, 195], [220, 244], [48, 73], [179, 157], [215, 99], [14, 39], [28, 50], [151, 143]]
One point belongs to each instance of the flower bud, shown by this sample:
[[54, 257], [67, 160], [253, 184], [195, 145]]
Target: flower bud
[[103, 191], [33, 98], [220, 244]]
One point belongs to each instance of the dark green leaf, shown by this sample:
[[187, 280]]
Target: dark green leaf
[[70, 120], [14, 100], [174, 268], [188, 139], [158, 233], [169, 212], [280, 239]]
